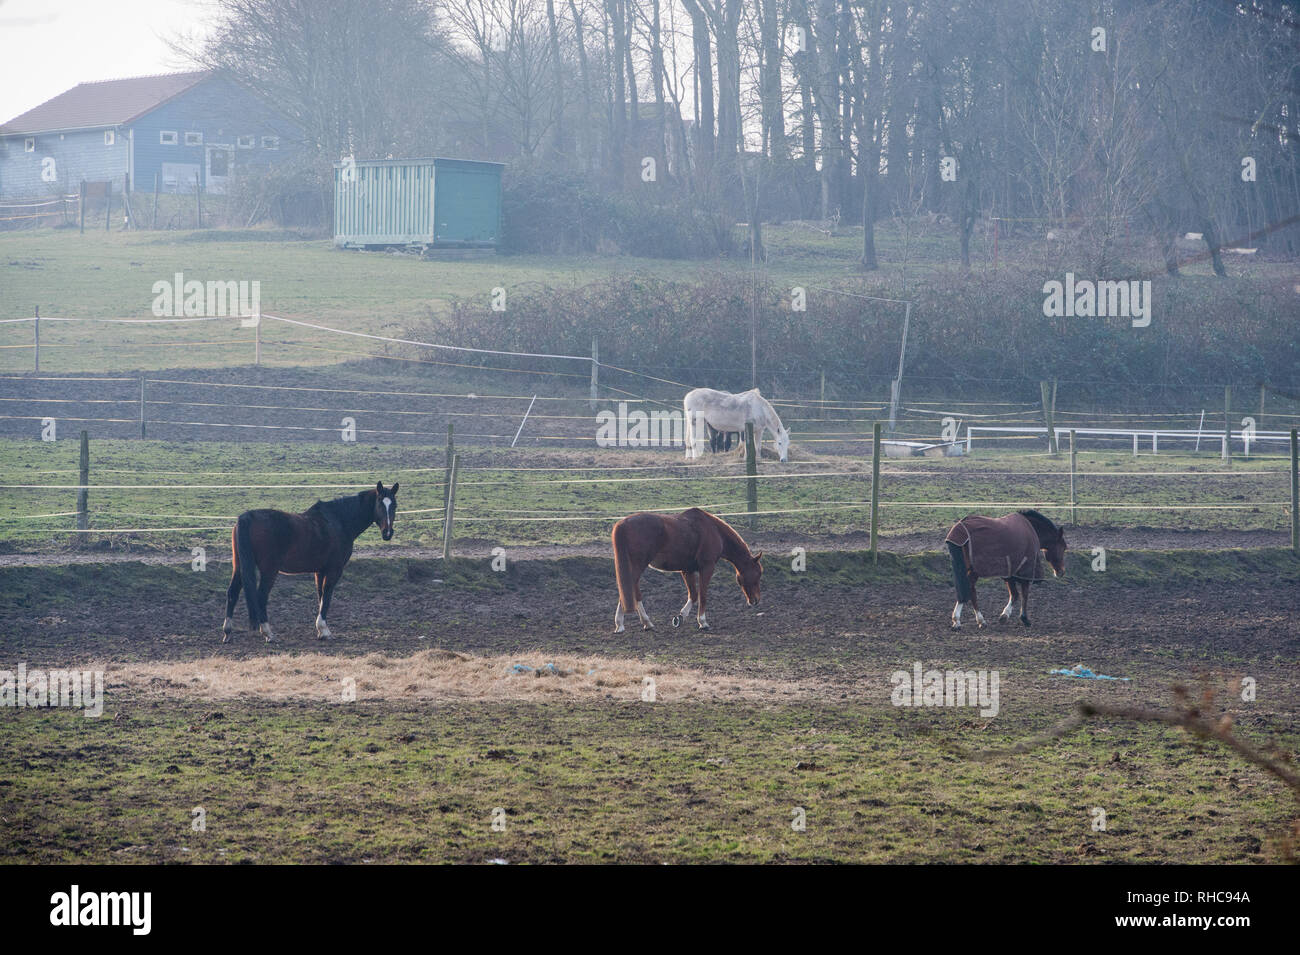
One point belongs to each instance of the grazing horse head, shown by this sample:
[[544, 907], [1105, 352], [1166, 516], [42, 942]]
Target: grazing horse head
[[749, 576], [385, 509], [783, 443], [1051, 538]]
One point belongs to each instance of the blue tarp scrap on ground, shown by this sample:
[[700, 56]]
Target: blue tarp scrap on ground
[[544, 668], [1083, 673]]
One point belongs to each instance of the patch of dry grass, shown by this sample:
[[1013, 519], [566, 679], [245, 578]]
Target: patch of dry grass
[[440, 675]]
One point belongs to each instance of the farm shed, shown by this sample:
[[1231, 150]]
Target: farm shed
[[177, 128], [429, 203]]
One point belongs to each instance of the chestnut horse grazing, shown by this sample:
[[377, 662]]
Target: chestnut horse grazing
[[1006, 547], [318, 541], [690, 543]]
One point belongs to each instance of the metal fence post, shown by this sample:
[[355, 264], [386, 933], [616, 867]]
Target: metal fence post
[[595, 371], [37, 338]]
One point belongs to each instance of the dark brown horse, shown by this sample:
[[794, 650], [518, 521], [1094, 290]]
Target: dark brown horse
[[1006, 547], [318, 541], [690, 543]]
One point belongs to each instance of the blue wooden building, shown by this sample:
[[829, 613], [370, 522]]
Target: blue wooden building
[[181, 127]]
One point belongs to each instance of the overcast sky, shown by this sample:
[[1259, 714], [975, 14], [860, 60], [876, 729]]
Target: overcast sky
[[48, 46]]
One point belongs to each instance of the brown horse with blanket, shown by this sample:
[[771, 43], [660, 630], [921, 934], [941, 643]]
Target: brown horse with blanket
[[690, 543], [1006, 547]]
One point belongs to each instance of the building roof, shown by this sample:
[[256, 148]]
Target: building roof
[[104, 103]]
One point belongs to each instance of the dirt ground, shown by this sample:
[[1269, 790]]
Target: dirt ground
[[825, 623], [457, 698]]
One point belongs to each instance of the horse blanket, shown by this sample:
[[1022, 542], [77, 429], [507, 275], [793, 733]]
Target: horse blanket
[[999, 546]]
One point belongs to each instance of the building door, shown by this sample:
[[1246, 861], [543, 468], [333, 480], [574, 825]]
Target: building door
[[219, 160]]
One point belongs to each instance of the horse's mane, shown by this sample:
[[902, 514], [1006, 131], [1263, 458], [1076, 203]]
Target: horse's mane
[[348, 510], [1040, 521], [728, 532], [767, 406]]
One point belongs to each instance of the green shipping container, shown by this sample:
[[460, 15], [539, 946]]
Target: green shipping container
[[425, 203]]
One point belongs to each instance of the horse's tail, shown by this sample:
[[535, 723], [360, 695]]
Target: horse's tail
[[246, 566], [623, 570], [960, 576]]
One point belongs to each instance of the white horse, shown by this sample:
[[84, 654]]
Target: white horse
[[728, 412]]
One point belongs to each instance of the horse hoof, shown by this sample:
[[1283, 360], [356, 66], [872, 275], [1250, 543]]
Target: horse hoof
[[621, 630], [705, 626], [955, 626], [677, 621], [225, 636]]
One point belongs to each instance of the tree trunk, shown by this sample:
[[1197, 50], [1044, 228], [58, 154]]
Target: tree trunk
[[773, 109], [557, 70]]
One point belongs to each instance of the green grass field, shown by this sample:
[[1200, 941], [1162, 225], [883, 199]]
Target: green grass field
[[599, 783], [187, 485], [112, 275]]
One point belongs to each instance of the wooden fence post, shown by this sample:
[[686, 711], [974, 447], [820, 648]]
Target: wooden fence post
[[1049, 414], [821, 409], [451, 453], [875, 491], [1074, 464], [1295, 494], [451, 507], [1227, 423], [37, 337], [142, 406], [108, 203], [154, 224], [81, 210], [83, 493], [751, 469], [595, 371]]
